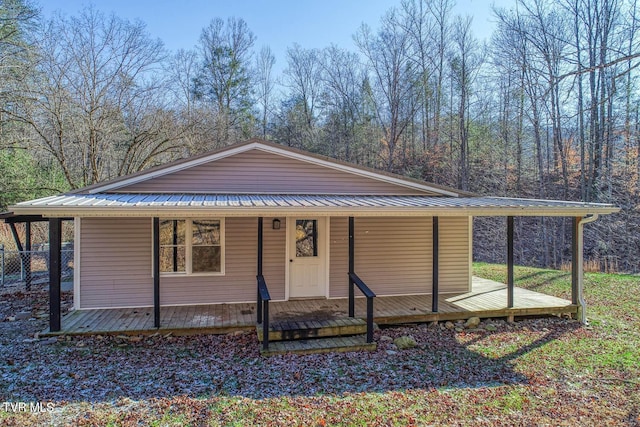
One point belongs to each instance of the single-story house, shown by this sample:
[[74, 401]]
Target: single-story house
[[258, 221]]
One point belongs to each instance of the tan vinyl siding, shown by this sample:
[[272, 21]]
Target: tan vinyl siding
[[393, 255], [115, 262], [116, 265], [239, 282], [257, 172], [274, 260], [455, 254], [338, 257]]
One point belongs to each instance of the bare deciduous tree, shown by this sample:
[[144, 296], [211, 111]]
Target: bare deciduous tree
[[465, 62], [394, 79], [341, 100], [302, 77], [93, 100], [265, 84]]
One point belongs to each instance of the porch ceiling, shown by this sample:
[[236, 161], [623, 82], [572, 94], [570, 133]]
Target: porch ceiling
[[103, 204]]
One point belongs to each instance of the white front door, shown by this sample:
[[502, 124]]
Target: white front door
[[307, 266]]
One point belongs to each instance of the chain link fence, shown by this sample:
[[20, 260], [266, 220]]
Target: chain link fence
[[26, 268]]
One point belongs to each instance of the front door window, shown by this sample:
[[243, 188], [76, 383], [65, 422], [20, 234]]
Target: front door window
[[306, 238]]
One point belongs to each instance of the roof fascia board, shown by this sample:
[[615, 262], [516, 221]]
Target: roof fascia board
[[190, 211], [545, 200], [273, 150]]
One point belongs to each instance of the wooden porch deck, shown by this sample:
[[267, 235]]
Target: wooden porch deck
[[487, 299]]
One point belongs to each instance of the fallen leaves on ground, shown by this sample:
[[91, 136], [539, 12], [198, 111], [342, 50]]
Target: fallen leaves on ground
[[535, 372]]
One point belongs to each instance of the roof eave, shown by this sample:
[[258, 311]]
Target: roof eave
[[191, 211]]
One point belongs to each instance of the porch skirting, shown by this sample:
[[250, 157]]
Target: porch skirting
[[487, 299]]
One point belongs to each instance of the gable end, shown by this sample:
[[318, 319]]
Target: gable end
[[266, 168]]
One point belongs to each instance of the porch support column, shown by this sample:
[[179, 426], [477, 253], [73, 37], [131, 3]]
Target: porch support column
[[435, 264], [21, 253], [260, 228], [351, 266], [16, 238], [175, 245], [55, 259], [27, 255], [156, 272], [510, 284], [259, 271], [577, 265]]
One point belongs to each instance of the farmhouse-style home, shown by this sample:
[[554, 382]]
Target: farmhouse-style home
[[206, 242]]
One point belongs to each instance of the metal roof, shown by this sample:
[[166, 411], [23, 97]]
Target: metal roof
[[239, 204]]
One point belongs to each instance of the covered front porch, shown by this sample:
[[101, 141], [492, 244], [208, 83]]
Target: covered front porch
[[488, 299]]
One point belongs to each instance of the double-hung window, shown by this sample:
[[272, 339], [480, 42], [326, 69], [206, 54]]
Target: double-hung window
[[192, 246]]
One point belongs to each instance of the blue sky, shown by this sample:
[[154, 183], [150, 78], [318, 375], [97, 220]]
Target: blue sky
[[277, 23]]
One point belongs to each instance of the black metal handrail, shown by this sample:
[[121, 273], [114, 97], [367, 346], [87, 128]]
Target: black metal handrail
[[263, 309], [355, 280]]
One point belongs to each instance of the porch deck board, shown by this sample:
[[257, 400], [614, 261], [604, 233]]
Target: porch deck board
[[168, 316], [172, 315], [182, 316], [138, 319], [72, 319], [145, 320], [111, 321], [208, 317], [190, 318], [487, 299], [247, 313], [89, 322], [205, 315], [197, 315], [226, 316], [235, 317], [216, 316]]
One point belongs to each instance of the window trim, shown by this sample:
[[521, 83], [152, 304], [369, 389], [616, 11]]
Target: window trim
[[189, 249]]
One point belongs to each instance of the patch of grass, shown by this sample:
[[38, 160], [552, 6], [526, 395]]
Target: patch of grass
[[612, 299], [610, 344], [514, 400], [170, 419]]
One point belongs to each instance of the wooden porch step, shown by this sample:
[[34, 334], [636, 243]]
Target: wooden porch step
[[320, 345], [305, 329]]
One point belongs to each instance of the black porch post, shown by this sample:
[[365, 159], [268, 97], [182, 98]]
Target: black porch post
[[435, 266], [16, 238], [510, 261], [175, 245], [260, 228], [351, 267], [156, 272], [55, 259], [21, 251], [27, 248], [259, 270]]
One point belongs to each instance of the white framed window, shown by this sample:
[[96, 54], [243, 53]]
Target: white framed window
[[191, 246]]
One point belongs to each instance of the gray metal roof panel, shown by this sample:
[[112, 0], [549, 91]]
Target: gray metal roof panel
[[165, 201]]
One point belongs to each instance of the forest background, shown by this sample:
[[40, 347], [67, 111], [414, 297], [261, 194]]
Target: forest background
[[547, 107]]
